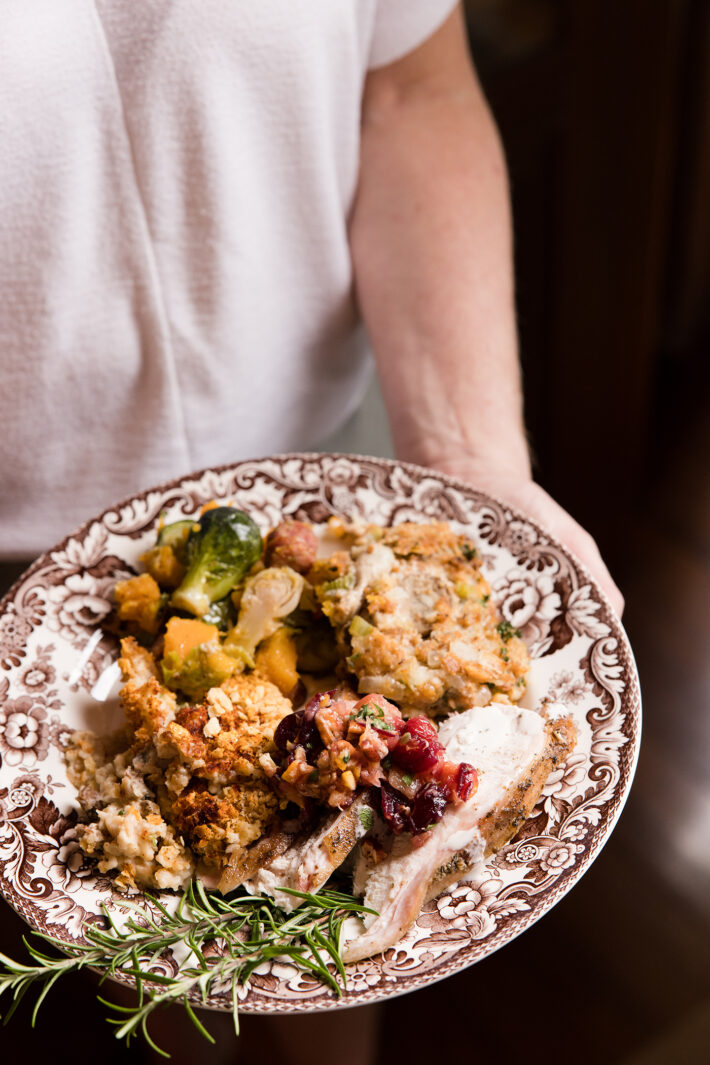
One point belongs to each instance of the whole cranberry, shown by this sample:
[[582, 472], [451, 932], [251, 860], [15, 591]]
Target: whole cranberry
[[466, 781], [298, 728], [418, 748], [458, 778], [310, 738], [395, 808], [428, 808], [287, 731]]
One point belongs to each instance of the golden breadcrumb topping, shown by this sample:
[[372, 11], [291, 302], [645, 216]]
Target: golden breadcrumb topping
[[415, 619], [193, 769]]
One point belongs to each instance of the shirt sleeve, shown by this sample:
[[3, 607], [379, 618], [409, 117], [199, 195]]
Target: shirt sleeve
[[401, 25]]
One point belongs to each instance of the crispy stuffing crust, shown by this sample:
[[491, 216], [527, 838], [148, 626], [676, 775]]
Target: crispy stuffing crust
[[177, 781], [414, 617]]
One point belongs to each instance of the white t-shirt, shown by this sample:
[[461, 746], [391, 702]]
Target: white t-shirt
[[175, 281]]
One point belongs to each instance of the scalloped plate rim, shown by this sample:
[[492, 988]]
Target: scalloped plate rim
[[274, 1007]]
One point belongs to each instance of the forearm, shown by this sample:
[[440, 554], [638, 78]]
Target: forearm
[[432, 252], [431, 246]]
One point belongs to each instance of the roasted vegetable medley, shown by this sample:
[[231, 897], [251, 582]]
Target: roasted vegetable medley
[[403, 612], [216, 599]]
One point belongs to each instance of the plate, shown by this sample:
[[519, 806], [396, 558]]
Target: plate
[[59, 674]]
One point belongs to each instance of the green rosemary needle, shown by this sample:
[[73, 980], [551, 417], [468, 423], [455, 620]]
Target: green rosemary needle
[[241, 932]]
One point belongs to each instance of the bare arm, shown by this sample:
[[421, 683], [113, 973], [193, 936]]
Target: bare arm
[[432, 250]]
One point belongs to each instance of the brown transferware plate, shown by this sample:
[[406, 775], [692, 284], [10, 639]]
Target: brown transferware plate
[[59, 674]]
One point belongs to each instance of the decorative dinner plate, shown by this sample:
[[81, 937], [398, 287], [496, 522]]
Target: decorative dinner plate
[[59, 674]]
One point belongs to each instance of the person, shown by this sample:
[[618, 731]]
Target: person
[[196, 204], [209, 213]]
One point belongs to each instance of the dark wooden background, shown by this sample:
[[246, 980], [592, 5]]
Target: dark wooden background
[[605, 115]]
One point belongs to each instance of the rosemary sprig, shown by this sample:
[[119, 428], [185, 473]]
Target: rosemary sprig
[[242, 932]]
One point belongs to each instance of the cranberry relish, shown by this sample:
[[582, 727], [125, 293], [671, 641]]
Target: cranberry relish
[[337, 745]]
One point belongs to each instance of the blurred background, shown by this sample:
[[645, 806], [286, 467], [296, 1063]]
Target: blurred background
[[604, 111]]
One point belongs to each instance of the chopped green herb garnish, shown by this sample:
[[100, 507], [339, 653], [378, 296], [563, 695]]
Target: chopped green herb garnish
[[468, 550], [372, 714], [506, 630], [366, 817], [504, 653], [407, 779]]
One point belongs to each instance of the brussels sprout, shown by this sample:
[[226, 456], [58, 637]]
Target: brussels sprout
[[176, 536], [202, 668], [268, 597], [221, 548], [167, 560], [222, 613]]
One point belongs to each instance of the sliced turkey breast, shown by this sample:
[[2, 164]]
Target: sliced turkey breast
[[514, 750], [307, 860]]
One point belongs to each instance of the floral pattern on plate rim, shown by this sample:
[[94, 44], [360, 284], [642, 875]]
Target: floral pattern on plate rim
[[56, 661]]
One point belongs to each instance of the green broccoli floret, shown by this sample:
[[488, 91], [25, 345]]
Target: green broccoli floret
[[221, 548]]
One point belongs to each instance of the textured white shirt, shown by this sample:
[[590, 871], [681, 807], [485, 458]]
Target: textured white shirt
[[175, 281]]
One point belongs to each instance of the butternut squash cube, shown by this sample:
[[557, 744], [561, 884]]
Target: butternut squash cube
[[140, 600], [276, 660]]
